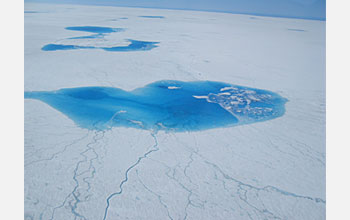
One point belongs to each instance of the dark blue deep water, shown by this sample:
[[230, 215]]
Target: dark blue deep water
[[93, 36], [94, 29], [165, 105], [31, 12], [134, 45], [53, 47], [293, 29], [150, 16]]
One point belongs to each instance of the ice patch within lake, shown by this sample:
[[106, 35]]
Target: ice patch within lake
[[165, 105]]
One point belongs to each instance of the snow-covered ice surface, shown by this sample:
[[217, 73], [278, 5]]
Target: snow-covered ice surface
[[273, 169]]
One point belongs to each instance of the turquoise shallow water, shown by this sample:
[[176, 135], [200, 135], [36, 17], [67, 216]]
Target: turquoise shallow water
[[165, 105], [94, 29], [134, 45], [100, 32]]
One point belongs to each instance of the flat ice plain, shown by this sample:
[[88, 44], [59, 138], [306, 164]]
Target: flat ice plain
[[273, 169]]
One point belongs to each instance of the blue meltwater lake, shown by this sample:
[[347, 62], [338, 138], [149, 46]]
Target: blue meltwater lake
[[165, 105], [94, 29], [151, 16], [100, 32], [134, 45]]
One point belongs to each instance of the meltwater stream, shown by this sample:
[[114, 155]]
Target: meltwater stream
[[165, 105]]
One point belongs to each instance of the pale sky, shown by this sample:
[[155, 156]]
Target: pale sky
[[310, 9]]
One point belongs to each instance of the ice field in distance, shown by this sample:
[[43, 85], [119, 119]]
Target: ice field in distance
[[272, 169]]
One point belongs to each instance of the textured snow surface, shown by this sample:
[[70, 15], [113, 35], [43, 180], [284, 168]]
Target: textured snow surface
[[268, 170]]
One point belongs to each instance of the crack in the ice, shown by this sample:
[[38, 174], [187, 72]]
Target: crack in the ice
[[182, 69], [265, 188], [58, 207], [158, 196], [126, 177], [189, 201], [241, 191], [187, 189], [54, 155], [309, 151], [188, 166], [73, 203], [245, 200], [75, 192]]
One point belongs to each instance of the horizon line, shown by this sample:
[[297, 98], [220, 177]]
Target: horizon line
[[188, 9]]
